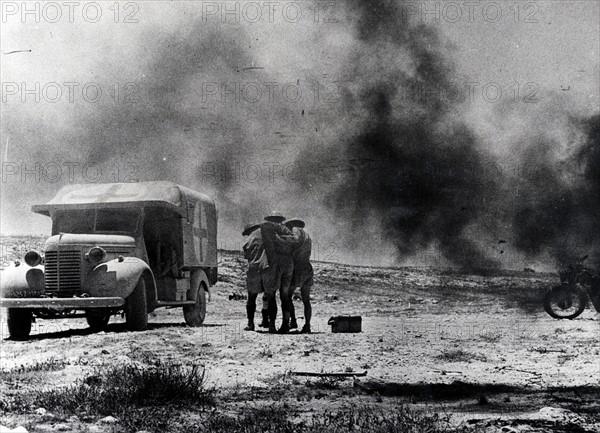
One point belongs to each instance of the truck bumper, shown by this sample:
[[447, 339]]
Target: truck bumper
[[62, 303]]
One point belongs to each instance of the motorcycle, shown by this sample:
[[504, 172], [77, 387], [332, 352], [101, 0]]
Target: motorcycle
[[569, 299]]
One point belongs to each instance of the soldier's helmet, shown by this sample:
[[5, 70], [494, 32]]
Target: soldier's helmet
[[275, 217], [295, 222], [249, 228]]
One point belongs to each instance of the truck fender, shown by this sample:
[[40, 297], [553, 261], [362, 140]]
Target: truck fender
[[119, 278], [198, 276], [22, 281]]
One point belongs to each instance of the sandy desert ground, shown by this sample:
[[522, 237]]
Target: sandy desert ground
[[477, 348]]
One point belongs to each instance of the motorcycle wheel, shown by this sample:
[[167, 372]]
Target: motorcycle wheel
[[565, 302]]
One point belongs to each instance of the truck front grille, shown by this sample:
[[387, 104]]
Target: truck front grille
[[63, 272]]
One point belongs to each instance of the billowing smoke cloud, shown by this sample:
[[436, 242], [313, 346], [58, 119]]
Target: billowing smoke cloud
[[425, 170], [391, 169], [558, 210], [430, 182]]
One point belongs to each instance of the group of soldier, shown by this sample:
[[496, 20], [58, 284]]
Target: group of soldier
[[278, 253]]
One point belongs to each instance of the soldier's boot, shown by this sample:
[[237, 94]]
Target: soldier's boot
[[285, 324], [272, 316], [272, 328], [284, 329], [293, 323], [305, 329], [265, 318], [250, 313]]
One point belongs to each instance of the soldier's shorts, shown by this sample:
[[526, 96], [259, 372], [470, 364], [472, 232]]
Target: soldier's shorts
[[303, 281], [254, 282], [277, 277], [303, 276]]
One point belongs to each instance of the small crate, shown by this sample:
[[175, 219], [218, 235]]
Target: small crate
[[345, 324]]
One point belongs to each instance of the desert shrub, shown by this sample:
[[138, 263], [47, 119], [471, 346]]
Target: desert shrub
[[375, 420], [173, 407], [115, 389], [51, 364], [367, 419], [263, 420], [153, 419], [460, 355], [326, 382], [490, 338]]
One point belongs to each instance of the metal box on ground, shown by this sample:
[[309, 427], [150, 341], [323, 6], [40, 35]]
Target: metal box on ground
[[345, 324]]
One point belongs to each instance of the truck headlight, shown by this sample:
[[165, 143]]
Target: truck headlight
[[33, 258], [96, 254]]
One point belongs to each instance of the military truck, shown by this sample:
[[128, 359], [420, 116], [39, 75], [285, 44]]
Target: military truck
[[116, 248]]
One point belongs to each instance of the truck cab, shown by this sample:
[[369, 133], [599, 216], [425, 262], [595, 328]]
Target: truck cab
[[121, 247]]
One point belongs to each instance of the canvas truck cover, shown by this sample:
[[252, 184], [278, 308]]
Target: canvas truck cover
[[197, 212], [159, 193]]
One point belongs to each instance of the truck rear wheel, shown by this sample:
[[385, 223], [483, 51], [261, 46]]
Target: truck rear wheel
[[19, 323], [97, 321], [194, 314], [136, 310]]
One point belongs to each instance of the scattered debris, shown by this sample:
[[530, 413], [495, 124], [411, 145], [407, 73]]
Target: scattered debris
[[108, 420], [19, 429], [506, 367], [92, 380], [448, 372], [546, 350], [312, 374], [558, 414], [16, 51]]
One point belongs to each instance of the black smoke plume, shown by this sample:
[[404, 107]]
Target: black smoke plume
[[558, 210], [392, 168], [425, 173]]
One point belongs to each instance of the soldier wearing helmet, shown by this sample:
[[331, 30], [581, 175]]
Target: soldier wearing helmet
[[254, 252], [281, 266], [303, 270]]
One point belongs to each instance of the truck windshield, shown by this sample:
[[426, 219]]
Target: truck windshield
[[117, 220], [76, 221]]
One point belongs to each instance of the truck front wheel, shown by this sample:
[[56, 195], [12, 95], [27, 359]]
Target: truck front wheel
[[136, 310], [19, 323], [194, 314]]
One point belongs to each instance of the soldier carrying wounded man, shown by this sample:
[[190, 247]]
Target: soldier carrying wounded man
[[278, 257], [258, 265], [290, 247], [303, 270], [281, 264]]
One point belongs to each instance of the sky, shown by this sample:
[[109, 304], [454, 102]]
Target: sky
[[189, 84]]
